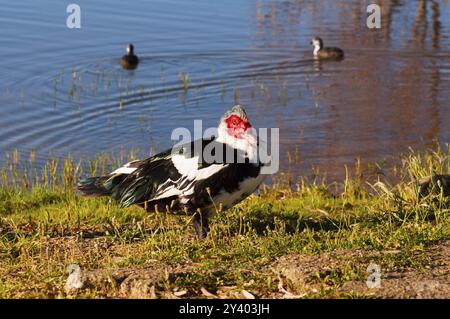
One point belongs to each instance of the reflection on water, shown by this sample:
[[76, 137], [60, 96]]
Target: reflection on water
[[62, 91]]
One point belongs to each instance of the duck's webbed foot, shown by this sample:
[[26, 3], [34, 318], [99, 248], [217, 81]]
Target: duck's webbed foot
[[201, 225]]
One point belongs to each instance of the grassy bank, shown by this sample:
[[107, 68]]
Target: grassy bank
[[294, 239]]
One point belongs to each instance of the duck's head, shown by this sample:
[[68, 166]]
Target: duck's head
[[235, 127], [317, 43], [130, 49]]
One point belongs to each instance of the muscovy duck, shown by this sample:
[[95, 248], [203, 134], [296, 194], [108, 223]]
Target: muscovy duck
[[435, 184], [326, 53], [129, 61], [197, 178]]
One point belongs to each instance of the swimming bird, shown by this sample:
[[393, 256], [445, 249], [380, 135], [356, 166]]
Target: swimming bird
[[129, 61], [198, 178], [325, 53]]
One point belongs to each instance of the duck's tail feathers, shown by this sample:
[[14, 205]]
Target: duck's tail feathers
[[94, 186]]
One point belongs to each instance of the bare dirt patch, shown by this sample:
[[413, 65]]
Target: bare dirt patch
[[345, 272]]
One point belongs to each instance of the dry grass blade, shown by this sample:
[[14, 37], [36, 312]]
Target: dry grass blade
[[247, 294], [206, 293]]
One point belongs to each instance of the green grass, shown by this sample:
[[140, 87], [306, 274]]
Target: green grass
[[45, 226]]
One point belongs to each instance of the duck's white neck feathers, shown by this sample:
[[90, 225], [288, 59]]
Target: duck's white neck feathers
[[316, 49], [247, 144]]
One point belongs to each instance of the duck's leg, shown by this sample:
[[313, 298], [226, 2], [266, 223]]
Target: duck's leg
[[201, 225]]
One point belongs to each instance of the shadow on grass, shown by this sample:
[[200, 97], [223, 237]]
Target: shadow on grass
[[261, 221]]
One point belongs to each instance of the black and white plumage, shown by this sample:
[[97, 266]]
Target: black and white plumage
[[129, 61], [435, 184], [321, 52], [198, 178]]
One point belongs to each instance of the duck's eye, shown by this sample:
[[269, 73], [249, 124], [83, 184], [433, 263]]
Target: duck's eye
[[234, 122]]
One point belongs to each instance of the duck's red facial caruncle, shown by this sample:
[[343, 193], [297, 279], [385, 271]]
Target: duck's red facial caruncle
[[236, 126]]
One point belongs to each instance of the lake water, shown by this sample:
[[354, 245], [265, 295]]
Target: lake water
[[62, 90]]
